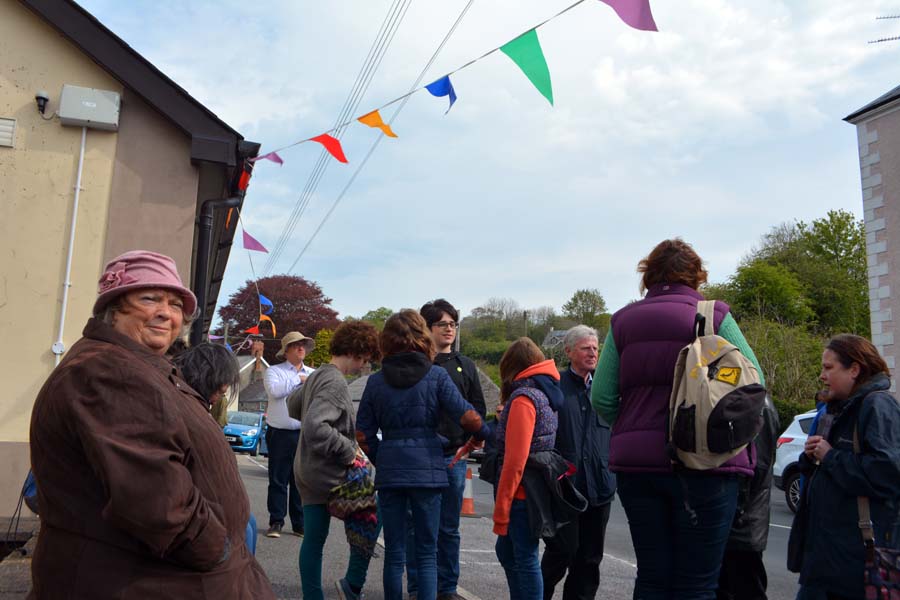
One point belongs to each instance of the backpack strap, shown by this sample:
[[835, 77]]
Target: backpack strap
[[706, 315]]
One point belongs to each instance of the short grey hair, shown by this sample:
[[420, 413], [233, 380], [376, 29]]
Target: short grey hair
[[578, 333]]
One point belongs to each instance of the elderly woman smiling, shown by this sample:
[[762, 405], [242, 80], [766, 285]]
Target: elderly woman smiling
[[140, 494]]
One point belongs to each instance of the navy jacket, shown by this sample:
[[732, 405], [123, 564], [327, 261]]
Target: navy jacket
[[832, 556], [583, 439], [405, 401]]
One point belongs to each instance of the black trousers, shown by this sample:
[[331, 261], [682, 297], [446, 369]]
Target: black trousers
[[578, 549], [743, 576], [284, 497]]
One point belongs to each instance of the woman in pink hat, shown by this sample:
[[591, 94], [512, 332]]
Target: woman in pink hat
[[140, 494]]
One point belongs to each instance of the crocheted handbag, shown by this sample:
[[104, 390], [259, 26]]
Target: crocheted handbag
[[356, 493]]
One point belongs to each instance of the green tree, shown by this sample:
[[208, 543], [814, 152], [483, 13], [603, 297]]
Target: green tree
[[377, 317], [321, 354], [587, 306], [828, 258], [771, 291]]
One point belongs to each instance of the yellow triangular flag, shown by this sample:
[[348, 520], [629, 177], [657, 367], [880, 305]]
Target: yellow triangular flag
[[267, 318], [373, 119]]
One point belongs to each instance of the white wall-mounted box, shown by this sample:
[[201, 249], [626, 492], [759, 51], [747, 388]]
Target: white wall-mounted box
[[7, 132], [88, 107]]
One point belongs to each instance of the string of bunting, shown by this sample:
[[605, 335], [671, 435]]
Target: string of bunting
[[524, 50]]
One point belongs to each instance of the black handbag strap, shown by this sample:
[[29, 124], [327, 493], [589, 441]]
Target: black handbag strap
[[862, 507]]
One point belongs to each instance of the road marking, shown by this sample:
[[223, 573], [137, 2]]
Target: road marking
[[621, 560], [477, 551], [262, 466], [780, 526]]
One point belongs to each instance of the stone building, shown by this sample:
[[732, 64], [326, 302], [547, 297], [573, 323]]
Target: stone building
[[878, 137]]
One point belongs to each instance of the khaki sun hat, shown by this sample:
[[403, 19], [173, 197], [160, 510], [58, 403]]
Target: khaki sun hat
[[292, 338]]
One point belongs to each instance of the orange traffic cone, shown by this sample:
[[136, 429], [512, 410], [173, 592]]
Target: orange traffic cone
[[468, 503]]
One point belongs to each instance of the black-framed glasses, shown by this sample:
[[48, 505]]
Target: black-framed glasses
[[446, 324]]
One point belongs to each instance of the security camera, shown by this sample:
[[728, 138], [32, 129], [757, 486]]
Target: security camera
[[42, 98]]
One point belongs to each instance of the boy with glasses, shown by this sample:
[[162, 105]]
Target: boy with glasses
[[443, 321]]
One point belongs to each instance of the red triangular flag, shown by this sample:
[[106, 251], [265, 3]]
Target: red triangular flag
[[254, 329], [250, 243], [332, 145]]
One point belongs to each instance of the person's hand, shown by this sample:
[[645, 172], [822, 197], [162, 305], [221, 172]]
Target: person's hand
[[816, 447], [476, 444]]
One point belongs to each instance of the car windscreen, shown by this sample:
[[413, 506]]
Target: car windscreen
[[243, 418], [805, 424]]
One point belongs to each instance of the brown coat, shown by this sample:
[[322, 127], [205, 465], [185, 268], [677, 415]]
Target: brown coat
[[140, 494]]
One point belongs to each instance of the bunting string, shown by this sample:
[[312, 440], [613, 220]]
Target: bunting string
[[634, 13]]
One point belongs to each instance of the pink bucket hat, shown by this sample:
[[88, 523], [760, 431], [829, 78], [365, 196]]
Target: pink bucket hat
[[141, 269]]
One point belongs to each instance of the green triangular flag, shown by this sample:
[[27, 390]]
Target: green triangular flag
[[526, 52]]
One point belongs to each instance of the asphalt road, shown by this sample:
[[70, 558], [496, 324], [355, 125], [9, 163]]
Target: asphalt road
[[481, 575]]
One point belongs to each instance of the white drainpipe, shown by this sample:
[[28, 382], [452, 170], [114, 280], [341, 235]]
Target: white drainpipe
[[59, 347]]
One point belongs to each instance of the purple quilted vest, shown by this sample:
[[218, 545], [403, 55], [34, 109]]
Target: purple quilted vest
[[545, 423], [649, 335]]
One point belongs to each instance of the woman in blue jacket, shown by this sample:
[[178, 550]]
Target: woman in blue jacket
[[405, 401], [826, 543]]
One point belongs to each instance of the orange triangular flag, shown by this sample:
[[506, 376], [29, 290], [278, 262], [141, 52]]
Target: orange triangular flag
[[254, 329], [269, 319], [373, 119]]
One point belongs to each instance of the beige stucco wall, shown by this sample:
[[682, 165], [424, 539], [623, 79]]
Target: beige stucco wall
[[37, 180], [879, 151], [154, 184]]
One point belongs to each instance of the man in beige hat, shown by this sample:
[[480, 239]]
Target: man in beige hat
[[283, 433]]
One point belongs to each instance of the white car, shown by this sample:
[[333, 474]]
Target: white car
[[785, 473]]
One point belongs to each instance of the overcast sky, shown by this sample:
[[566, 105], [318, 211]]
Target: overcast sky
[[723, 124]]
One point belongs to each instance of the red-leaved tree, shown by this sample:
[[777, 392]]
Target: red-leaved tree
[[299, 305]]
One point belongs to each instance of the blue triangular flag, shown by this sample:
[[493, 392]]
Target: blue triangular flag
[[443, 87], [227, 345], [266, 302]]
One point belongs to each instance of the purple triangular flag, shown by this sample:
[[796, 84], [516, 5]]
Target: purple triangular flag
[[273, 156], [250, 243]]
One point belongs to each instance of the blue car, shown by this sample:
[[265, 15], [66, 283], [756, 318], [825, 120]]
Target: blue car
[[246, 432]]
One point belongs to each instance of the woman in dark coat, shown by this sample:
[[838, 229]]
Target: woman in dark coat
[[405, 401], [140, 494], [826, 541]]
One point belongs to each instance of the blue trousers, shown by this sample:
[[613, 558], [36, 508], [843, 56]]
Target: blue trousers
[[518, 554], [448, 535], [679, 527], [284, 497], [426, 505]]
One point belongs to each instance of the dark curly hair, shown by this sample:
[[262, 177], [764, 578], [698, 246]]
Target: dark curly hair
[[672, 261], [406, 331], [356, 338]]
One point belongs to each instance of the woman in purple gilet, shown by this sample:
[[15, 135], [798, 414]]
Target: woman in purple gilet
[[679, 518]]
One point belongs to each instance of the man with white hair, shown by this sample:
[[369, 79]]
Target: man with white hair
[[583, 439]]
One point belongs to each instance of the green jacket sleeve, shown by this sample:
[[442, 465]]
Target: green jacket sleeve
[[605, 386], [732, 333]]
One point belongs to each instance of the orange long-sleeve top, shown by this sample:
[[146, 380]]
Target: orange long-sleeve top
[[517, 443]]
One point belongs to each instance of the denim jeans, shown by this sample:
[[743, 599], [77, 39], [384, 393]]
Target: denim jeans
[[284, 497], [679, 526], [518, 553], [425, 504], [448, 534]]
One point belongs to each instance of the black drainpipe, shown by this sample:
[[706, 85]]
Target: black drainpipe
[[201, 274]]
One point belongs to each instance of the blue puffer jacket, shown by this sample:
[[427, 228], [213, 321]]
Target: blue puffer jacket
[[405, 401], [832, 546]]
